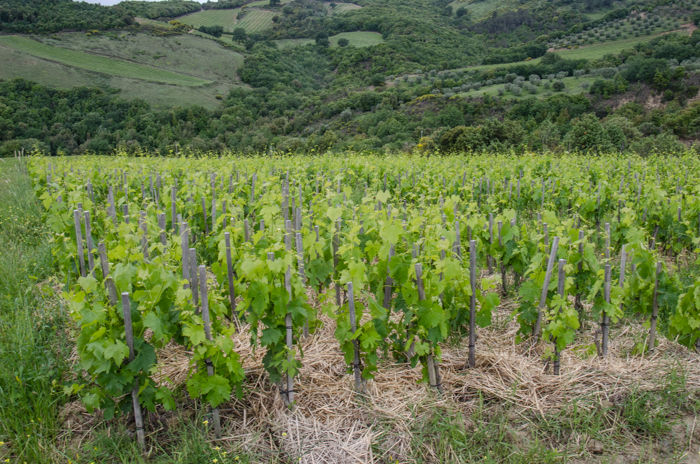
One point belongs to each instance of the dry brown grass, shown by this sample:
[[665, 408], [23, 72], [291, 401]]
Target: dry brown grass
[[330, 423]]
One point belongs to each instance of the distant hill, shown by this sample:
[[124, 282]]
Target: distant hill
[[386, 75]]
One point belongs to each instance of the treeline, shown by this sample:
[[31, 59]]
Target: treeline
[[46, 16], [87, 120], [163, 9]]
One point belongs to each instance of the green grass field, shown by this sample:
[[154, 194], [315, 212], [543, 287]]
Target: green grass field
[[99, 64], [225, 18], [481, 9], [573, 87], [253, 21], [589, 52], [264, 3], [187, 56], [342, 7], [357, 39], [256, 21]]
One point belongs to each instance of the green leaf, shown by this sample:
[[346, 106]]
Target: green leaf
[[88, 284], [270, 336], [116, 351], [195, 333], [334, 213], [391, 232], [153, 322]]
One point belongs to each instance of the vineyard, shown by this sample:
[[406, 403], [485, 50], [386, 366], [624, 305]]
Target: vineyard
[[252, 268], [256, 21], [252, 20]]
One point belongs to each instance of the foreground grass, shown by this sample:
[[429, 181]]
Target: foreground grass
[[32, 346]]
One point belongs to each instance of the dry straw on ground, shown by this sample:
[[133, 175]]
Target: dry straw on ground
[[330, 423]]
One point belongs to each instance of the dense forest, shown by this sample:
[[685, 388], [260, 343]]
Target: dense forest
[[405, 94]]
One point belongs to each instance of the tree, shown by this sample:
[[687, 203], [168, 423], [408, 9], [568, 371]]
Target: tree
[[215, 31], [322, 39], [451, 117], [587, 133], [343, 42], [377, 80], [239, 34], [558, 86], [274, 2], [461, 11]]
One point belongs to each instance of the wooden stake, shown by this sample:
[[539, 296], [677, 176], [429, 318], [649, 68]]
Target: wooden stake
[[489, 259], [88, 238], [161, 226], [79, 242], [655, 309], [472, 304], [561, 288], [605, 324], [353, 327], [577, 301], [204, 214], [207, 332], [336, 259], [194, 281], [545, 288], [144, 238], [109, 283], [173, 207], [231, 288], [126, 307]]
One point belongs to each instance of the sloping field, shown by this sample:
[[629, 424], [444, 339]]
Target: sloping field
[[253, 21], [256, 21], [224, 18], [264, 3], [99, 64], [588, 52], [185, 54], [342, 7], [357, 39], [482, 9]]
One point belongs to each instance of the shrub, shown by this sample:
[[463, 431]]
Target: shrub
[[558, 86]]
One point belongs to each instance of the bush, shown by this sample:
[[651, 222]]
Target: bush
[[558, 86], [343, 42]]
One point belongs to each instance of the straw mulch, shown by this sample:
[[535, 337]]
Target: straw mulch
[[330, 423]]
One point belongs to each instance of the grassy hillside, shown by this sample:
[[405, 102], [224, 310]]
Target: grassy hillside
[[356, 39], [225, 18], [253, 21], [188, 55], [256, 21], [99, 64], [164, 71], [342, 7]]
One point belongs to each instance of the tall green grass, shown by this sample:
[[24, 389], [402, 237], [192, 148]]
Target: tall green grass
[[33, 345]]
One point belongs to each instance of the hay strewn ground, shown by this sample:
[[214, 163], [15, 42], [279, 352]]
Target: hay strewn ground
[[331, 424]]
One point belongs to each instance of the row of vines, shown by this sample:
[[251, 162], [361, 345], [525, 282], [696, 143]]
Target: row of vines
[[403, 254]]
